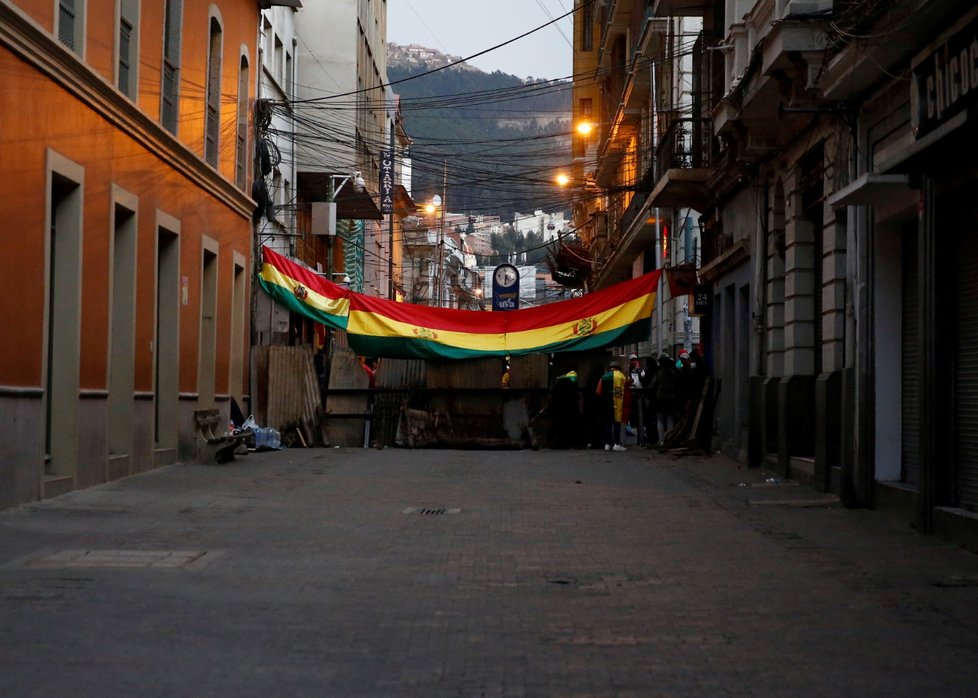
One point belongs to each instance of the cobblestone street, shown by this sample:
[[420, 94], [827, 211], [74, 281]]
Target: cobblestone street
[[351, 572]]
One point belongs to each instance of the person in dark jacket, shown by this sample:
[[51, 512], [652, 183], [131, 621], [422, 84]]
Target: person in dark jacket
[[665, 386], [566, 426], [636, 376]]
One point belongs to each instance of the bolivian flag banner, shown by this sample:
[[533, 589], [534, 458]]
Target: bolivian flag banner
[[303, 291], [383, 328]]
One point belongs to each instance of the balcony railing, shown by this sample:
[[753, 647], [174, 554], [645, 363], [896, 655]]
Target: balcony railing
[[686, 143], [714, 243]]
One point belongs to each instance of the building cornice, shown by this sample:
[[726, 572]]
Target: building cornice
[[37, 48]]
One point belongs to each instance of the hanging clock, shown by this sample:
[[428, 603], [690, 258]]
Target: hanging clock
[[506, 275]]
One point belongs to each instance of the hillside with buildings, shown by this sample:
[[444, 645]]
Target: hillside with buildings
[[450, 116]]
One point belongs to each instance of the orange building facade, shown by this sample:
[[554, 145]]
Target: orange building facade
[[125, 131]]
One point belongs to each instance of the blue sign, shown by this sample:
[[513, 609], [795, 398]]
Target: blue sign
[[505, 287]]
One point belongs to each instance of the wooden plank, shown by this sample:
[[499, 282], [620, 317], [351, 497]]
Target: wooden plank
[[345, 372], [259, 369]]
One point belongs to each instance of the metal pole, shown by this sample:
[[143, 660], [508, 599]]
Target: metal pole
[[440, 281], [658, 224], [390, 233], [330, 198]]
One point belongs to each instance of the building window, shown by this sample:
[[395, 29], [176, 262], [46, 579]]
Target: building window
[[267, 48], [71, 23], [125, 46], [128, 48], [173, 21], [278, 67], [585, 106], [241, 144], [212, 123], [587, 22]]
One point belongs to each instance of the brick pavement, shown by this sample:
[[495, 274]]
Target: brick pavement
[[348, 572]]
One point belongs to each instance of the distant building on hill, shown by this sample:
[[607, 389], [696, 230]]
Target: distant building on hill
[[547, 224]]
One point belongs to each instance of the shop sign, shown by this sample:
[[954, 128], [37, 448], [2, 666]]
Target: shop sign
[[944, 81], [386, 182], [701, 300]]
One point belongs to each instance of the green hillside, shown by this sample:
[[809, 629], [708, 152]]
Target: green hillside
[[501, 138]]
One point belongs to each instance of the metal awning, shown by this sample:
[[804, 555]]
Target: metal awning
[[871, 189], [350, 204], [403, 203], [354, 204]]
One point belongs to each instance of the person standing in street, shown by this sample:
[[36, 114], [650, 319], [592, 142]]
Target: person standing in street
[[613, 390], [665, 385], [636, 375], [565, 413]]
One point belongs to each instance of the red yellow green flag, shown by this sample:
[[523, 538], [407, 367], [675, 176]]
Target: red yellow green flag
[[384, 328], [303, 291], [610, 317]]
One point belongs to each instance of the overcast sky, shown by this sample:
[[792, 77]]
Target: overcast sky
[[464, 27]]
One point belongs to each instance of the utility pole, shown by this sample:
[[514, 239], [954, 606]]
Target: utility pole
[[659, 261], [440, 280], [331, 227], [390, 225]]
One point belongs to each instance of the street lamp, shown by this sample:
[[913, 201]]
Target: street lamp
[[430, 208]]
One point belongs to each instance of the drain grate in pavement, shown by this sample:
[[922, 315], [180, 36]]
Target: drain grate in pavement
[[82, 557], [427, 511]]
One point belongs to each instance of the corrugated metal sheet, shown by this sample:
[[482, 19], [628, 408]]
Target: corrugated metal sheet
[[293, 391], [401, 373], [397, 381]]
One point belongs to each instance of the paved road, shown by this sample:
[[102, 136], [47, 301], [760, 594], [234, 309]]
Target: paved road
[[346, 572]]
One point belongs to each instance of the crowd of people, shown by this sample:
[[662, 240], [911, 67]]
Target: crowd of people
[[645, 400]]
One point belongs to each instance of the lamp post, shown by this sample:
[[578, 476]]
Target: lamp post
[[440, 268], [435, 207]]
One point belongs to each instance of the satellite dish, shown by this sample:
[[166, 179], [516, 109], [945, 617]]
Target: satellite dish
[[436, 200]]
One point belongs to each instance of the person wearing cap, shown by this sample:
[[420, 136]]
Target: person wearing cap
[[636, 371], [613, 391]]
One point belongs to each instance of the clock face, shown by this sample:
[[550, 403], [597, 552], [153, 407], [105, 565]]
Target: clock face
[[505, 276]]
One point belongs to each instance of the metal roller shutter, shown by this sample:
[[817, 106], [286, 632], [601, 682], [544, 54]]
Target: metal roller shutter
[[910, 351], [966, 370]]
